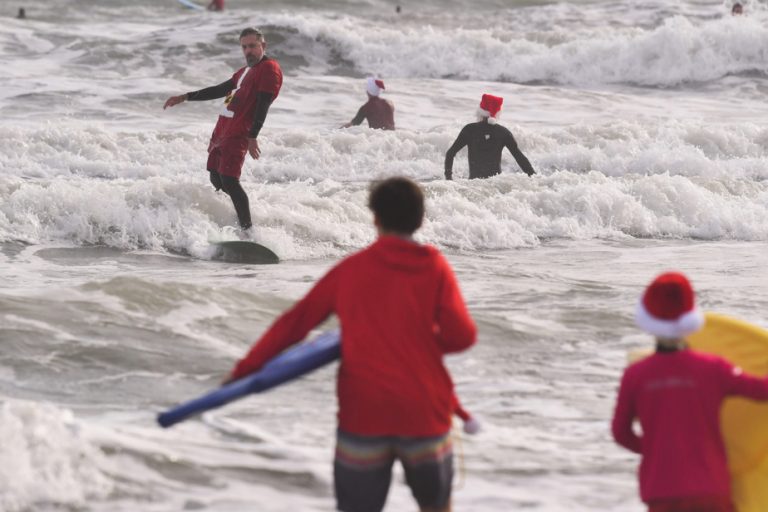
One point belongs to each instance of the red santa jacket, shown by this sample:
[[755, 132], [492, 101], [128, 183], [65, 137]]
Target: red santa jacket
[[677, 398]]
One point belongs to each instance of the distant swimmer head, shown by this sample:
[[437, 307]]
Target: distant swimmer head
[[490, 108], [668, 309], [374, 86], [398, 206], [737, 9]]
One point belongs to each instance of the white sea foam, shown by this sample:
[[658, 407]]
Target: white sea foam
[[44, 460], [86, 186], [570, 48], [679, 50]]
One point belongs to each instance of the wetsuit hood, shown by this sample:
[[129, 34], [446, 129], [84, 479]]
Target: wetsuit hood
[[403, 254]]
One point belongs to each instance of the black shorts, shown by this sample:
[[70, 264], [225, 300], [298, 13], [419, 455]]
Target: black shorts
[[362, 470]]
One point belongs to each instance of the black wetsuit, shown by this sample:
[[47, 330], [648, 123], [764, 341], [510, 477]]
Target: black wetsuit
[[231, 186], [486, 142]]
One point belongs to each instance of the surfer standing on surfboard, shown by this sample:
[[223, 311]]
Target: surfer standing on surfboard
[[486, 140], [248, 95], [677, 395], [400, 311]]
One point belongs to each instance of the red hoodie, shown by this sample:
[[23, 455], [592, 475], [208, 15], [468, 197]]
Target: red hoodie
[[400, 311], [677, 398]]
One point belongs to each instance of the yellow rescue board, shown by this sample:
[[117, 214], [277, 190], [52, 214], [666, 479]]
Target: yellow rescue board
[[744, 423]]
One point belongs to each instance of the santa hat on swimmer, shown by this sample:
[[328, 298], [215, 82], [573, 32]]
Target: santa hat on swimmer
[[490, 108], [374, 86], [668, 309]]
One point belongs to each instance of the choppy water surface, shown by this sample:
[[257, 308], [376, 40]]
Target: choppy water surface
[[644, 121]]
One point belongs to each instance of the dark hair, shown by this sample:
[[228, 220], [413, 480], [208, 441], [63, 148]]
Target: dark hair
[[251, 31], [398, 204]]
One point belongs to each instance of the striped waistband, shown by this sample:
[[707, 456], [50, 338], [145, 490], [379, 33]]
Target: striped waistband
[[374, 451]]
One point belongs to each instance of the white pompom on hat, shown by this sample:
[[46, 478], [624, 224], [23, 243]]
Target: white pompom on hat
[[668, 309], [374, 86], [471, 424], [490, 107]]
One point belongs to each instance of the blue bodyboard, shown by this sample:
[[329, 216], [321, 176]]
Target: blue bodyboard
[[292, 363]]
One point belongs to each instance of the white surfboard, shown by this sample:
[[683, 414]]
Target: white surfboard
[[191, 5]]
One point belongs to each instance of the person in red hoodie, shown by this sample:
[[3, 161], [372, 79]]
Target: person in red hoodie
[[379, 112], [400, 311], [676, 394]]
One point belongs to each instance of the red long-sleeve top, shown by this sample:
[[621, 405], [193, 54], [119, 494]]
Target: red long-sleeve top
[[400, 311], [677, 397]]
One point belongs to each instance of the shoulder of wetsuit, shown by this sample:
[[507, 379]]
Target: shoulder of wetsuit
[[477, 125], [503, 130]]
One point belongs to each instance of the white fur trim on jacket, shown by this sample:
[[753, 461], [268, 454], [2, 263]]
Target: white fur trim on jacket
[[688, 323]]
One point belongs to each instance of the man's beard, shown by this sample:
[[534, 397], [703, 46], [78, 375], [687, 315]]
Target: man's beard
[[251, 60]]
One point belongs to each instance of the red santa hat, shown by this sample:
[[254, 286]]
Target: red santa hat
[[374, 86], [668, 309], [490, 107]]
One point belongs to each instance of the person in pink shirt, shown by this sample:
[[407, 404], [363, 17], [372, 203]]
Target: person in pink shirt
[[676, 394]]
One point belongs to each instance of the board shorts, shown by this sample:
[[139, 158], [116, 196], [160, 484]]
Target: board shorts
[[227, 156], [362, 470], [693, 504]]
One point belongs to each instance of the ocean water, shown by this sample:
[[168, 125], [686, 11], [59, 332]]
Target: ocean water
[[644, 121]]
